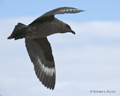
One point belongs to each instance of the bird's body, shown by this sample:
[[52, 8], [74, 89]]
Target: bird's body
[[38, 47], [39, 30]]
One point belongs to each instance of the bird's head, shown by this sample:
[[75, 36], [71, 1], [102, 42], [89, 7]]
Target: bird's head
[[67, 28]]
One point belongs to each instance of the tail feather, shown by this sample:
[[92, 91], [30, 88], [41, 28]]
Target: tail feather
[[18, 31], [19, 26]]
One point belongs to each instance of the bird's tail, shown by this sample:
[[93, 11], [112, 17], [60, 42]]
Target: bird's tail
[[18, 31]]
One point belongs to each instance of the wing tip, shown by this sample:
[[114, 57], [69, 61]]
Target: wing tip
[[49, 83], [46, 80]]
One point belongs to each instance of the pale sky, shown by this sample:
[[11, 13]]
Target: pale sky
[[89, 60]]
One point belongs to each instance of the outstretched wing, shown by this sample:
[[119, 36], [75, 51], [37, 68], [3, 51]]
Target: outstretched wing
[[40, 54], [61, 10]]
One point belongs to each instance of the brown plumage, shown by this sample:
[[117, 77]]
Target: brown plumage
[[38, 47]]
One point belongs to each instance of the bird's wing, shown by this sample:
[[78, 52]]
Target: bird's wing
[[40, 54], [61, 10]]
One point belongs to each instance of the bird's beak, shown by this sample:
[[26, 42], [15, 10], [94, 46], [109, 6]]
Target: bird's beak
[[72, 32]]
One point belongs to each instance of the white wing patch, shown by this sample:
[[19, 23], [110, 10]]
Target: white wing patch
[[67, 10], [71, 10], [62, 11], [46, 70]]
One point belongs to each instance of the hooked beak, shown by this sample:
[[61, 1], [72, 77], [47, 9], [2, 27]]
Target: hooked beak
[[72, 32]]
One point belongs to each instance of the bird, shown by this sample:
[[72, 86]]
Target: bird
[[37, 44]]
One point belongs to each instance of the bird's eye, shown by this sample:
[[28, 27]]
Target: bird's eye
[[68, 26]]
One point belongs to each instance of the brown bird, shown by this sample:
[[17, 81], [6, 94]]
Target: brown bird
[[37, 44]]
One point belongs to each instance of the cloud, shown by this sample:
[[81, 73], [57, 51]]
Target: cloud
[[86, 61]]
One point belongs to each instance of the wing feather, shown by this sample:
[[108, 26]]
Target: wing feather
[[40, 54], [50, 14], [62, 10]]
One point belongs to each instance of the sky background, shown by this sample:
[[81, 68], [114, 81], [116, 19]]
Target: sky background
[[89, 60]]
